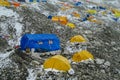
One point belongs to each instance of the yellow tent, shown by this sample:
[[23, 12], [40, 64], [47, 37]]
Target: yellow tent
[[55, 18], [71, 25], [92, 11], [117, 14], [4, 3], [83, 55], [77, 38], [64, 8], [57, 62], [75, 14], [115, 10]]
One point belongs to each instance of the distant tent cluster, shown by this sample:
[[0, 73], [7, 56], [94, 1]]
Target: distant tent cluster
[[50, 42], [62, 20], [16, 3], [32, 0]]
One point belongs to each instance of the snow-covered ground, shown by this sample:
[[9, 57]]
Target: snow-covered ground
[[4, 59], [14, 21]]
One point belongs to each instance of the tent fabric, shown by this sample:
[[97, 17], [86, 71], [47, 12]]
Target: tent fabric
[[77, 38], [117, 14], [55, 18], [61, 19], [64, 8], [57, 62], [49, 17], [21, 0], [71, 25], [92, 11], [78, 4], [16, 4], [34, 0], [47, 42], [4, 3], [75, 14], [83, 55]]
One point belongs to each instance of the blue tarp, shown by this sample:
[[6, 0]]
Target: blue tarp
[[49, 17], [40, 42], [21, 0], [37, 0], [34, 0], [115, 19], [78, 4]]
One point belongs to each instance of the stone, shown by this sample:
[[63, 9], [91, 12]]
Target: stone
[[103, 71], [107, 63], [35, 63], [99, 61]]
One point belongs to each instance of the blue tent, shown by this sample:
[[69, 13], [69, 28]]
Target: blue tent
[[21, 0], [40, 42], [49, 17], [37, 0], [34, 0], [78, 4]]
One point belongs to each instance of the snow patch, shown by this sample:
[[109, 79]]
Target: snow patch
[[14, 22], [32, 75], [4, 59]]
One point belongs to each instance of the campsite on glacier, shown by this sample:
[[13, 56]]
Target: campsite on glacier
[[59, 40]]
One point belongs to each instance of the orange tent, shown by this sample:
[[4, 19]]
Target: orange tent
[[61, 19], [16, 4], [55, 18], [75, 14]]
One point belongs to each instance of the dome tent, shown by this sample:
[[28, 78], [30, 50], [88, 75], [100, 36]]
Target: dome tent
[[57, 62], [61, 19], [71, 25], [4, 3], [92, 11], [82, 55], [77, 38]]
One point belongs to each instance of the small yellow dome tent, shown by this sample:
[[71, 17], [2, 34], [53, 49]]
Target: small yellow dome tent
[[82, 55], [55, 18], [75, 14], [77, 38], [71, 25], [57, 62], [92, 11], [117, 14], [4, 3]]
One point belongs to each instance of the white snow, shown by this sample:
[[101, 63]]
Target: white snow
[[107, 63], [71, 71], [14, 22], [6, 12], [4, 59], [32, 75]]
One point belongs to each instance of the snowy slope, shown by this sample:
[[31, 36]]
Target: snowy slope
[[13, 22]]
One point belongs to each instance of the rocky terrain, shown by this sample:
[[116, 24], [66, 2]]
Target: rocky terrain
[[103, 41]]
